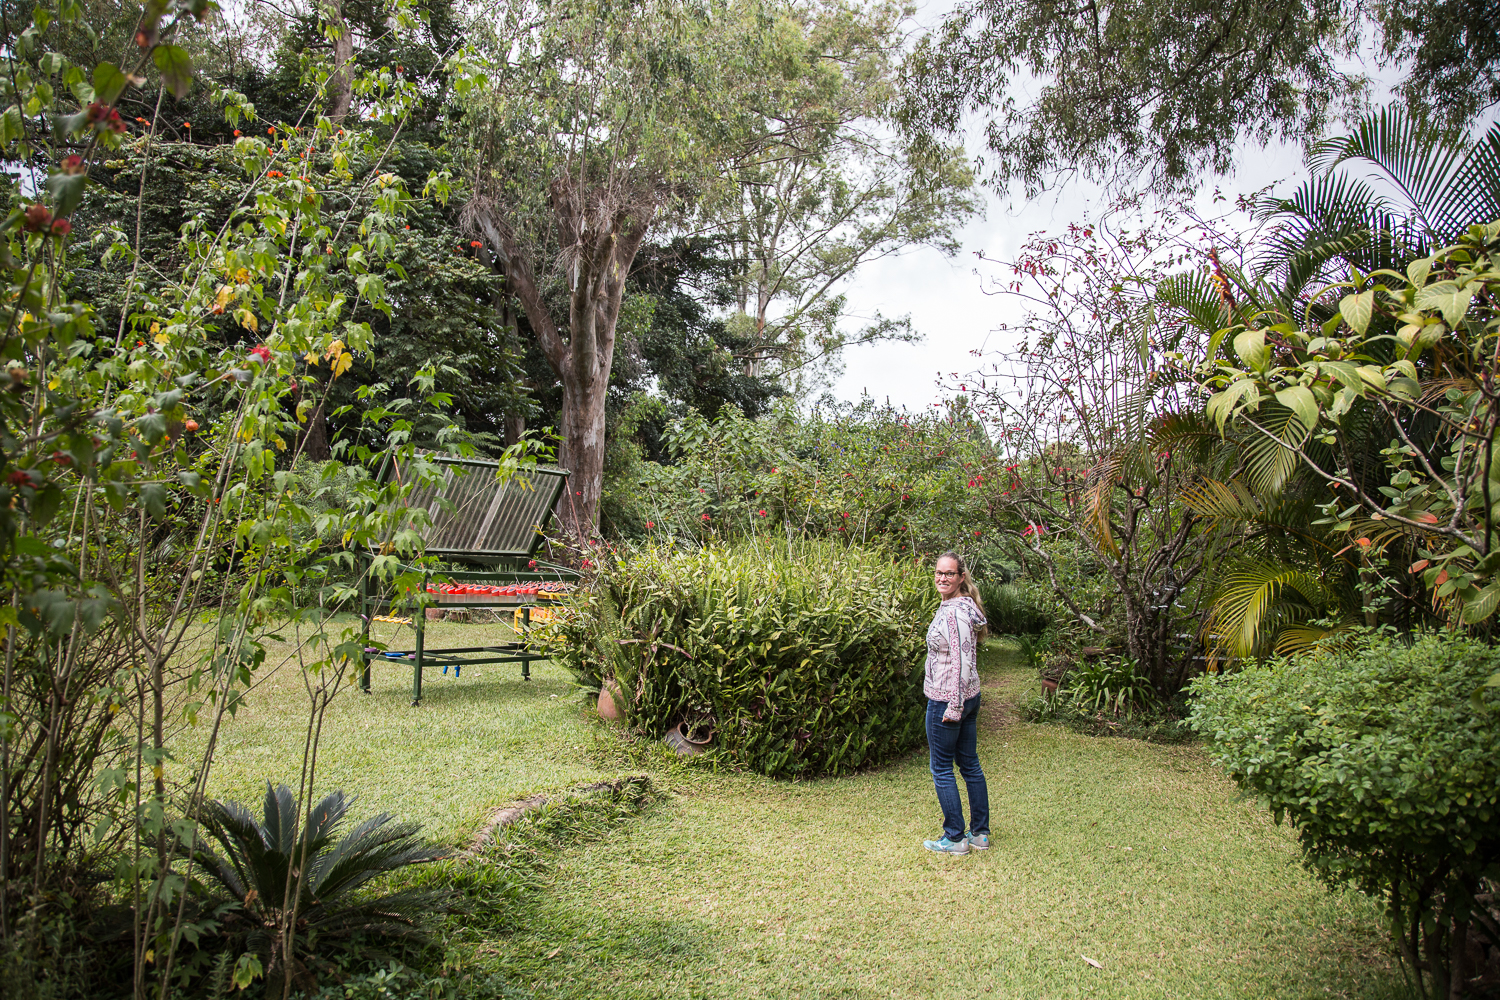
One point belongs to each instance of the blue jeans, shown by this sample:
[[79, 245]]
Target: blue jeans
[[948, 742]]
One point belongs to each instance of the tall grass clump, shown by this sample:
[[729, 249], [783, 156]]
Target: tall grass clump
[[1010, 610], [801, 659]]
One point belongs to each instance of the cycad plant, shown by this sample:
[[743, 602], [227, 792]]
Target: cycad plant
[[297, 885]]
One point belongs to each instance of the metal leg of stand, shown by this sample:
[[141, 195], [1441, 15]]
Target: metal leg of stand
[[526, 627], [420, 615]]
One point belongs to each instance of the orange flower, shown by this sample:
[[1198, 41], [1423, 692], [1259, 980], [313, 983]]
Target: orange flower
[[236, 132], [274, 173], [143, 121], [271, 130], [476, 243], [187, 124]]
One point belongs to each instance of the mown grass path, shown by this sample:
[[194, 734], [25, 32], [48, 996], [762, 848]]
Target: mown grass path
[[1139, 856]]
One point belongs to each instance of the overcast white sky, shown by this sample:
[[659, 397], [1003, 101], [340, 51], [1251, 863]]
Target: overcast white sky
[[944, 297]]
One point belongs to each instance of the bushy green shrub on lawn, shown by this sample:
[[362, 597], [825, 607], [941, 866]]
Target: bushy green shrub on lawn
[[1386, 757], [803, 658]]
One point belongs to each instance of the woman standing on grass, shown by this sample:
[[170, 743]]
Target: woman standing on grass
[[952, 689]]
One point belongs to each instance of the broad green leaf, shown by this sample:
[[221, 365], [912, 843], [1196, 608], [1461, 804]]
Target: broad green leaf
[[1448, 298], [1300, 400], [109, 83], [1347, 374], [1223, 404], [1252, 350], [176, 68], [67, 192], [1418, 270], [1357, 310], [1482, 606]]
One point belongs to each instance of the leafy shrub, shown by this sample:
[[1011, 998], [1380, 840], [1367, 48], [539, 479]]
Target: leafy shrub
[[283, 876], [804, 658], [1384, 757], [1010, 610], [1107, 686]]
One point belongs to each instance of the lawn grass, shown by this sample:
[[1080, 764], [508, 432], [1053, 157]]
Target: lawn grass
[[475, 742], [1139, 856]]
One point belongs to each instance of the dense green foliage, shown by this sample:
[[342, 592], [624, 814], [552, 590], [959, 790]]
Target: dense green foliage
[[252, 860], [1383, 756], [804, 659]]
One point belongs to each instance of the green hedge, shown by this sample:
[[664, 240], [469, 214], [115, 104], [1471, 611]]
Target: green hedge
[[1387, 759], [805, 659]]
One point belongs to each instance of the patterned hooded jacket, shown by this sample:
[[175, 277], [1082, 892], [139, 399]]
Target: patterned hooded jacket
[[953, 655]]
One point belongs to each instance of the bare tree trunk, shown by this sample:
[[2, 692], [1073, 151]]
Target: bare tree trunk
[[598, 250], [515, 428], [341, 83]]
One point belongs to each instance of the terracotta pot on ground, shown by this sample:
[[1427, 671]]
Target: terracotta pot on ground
[[434, 614], [611, 700]]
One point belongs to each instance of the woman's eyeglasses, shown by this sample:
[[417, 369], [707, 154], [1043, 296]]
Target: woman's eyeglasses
[[944, 575]]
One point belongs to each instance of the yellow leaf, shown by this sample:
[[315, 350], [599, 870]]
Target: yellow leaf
[[334, 349], [311, 359], [280, 444], [343, 364], [157, 772], [162, 338], [242, 277], [247, 319], [54, 383], [155, 328]]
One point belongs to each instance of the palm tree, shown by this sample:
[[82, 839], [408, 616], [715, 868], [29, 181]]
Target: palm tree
[[1439, 183]]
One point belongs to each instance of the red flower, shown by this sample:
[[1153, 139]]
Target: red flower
[[762, 513], [531, 565], [19, 478], [38, 216], [236, 132], [773, 469], [476, 243], [271, 130], [706, 517], [262, 352], [73, 164], [275, 173], [62, 227], [976, 534], [650, 525]]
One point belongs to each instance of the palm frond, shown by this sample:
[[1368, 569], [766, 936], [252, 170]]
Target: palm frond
[[1474, 194], [1221, 501], [1421, 161], [1270, 457], [1299, 638], [1257, 597]]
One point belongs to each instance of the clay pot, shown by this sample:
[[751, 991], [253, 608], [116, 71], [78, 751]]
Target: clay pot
[[611, 701], [434, 614], [677, 739], [1049, 684]]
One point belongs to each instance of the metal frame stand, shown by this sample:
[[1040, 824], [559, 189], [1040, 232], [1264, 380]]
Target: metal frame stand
[[457, 657]]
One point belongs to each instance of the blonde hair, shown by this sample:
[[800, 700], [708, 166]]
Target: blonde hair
[[967, 589]]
